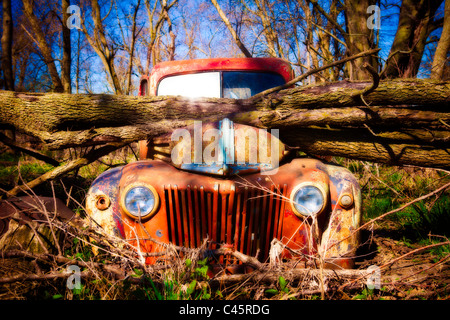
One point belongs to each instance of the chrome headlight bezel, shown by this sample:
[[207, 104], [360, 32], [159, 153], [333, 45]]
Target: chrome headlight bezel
[[296, 206], [144, 215]]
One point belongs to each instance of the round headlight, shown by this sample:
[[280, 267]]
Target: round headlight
[[140, 201], [307, 200]]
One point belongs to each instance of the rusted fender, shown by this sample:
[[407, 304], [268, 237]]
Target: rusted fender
[[102, 202], [340, 240]]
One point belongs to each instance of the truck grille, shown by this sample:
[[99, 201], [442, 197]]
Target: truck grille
[[248, 218]]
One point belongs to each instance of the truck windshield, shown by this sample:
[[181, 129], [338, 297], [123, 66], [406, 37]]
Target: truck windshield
[[224, 84], [243, 85]]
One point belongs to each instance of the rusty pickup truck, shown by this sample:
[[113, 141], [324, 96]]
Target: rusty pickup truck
[[229, 183]]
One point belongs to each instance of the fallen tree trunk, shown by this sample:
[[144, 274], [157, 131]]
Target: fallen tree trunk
[[51, 112], [411, 147], [400, 122]]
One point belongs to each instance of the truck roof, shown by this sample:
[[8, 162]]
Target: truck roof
[[167, 68]]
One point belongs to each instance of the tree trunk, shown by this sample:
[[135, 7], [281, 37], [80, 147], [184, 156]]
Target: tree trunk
[[409, 102], [292, 275], [407, 124], [43, 45], [313, 60], [101, 46], [172, 35], [266, 17], [415, 24], [67, 50], [131, 48], [360, 38], [154, 28], [393, 148], [78, 66], [443, 48], [7, 38], [23, 69]]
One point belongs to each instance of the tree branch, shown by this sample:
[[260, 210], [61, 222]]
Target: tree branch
[[232, 31], [66, 168], [34, 153], [311, 72]]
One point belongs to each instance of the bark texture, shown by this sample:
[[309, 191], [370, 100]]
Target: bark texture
[[400, 122], [443, 48], [416, 21], [67, 49], [360, 38], [104, 50]]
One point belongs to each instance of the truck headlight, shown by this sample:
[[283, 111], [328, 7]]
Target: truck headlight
[[308, 200], [140, 201]]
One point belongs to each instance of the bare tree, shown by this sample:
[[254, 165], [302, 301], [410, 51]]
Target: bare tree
[[196, 32], [311, 28], [309, 33], [101, 46], [190, 29], [230, 28], [172, 36], [416, 21], [67, 49], [7, 37], [158, 14], [41, 42], [443, 48], [266, 16], [360, 38], [130, 48]]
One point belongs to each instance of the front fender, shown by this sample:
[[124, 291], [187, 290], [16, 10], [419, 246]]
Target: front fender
[[105, 190], [341, 238]]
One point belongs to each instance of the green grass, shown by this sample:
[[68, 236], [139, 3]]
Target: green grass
[[25, 171], [386, 188]]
